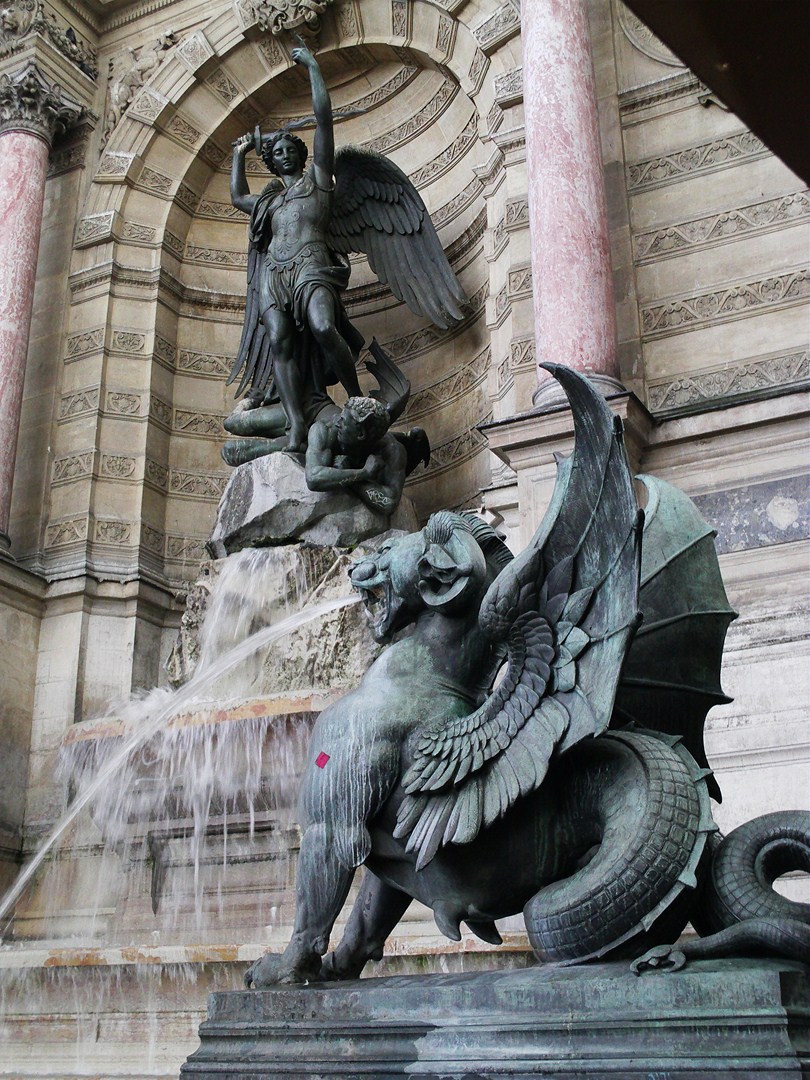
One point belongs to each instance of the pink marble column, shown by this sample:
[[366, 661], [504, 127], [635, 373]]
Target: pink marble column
[[31, 111], [23, 167], [575, 321]]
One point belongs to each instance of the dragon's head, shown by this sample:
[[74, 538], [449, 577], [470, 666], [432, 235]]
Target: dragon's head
[[448, 566]]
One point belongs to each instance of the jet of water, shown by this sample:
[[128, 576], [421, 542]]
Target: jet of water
[[143, 734]]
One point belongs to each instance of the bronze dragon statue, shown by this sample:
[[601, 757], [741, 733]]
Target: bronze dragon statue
[[533, 741]]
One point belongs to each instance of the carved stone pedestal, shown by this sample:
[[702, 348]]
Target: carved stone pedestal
[[732, 1019]]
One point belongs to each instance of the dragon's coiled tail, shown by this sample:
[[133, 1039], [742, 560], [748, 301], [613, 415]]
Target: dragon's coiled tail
[[740, 912], [648, 804]]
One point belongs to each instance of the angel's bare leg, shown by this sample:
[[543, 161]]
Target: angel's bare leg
[[288, 375], [321, 317], [377, 910]]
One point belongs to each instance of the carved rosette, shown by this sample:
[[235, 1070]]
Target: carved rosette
[[286, 15], [28, 102]]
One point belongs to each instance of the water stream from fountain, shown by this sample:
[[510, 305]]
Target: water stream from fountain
[[109, 775]]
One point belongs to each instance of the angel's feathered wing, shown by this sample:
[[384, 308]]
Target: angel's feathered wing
[[378, 211], [566, 608]]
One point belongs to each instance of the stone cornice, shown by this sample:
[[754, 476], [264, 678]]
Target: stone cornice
[[28, 102], [24, 20]]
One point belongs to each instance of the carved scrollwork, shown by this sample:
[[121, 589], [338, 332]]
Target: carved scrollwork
[[28, 102], [277, 16]]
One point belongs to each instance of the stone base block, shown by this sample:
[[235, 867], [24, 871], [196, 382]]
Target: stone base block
[[731, 1019], [267, 502]]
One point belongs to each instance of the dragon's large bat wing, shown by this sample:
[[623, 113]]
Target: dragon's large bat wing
[[378, 211], [567, 608]]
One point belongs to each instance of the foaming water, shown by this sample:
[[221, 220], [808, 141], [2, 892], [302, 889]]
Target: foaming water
[[159, 769]]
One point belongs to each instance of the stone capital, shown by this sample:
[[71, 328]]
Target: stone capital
[[28, 102]]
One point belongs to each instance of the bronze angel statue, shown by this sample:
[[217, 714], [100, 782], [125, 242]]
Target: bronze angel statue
[[297, 340], [574, 788]]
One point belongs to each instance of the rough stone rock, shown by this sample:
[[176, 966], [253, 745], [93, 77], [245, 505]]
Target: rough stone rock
[[267, 503]]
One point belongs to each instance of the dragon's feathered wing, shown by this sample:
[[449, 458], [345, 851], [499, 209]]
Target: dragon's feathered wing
[[566, 608], [378, 211]]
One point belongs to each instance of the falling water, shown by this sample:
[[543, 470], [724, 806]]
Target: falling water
[[104, 780]]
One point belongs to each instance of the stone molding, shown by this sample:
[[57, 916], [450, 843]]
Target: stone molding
[[448, 388], [389, 89], [756, 376], [660, 95], [694, 160], [24, 20], [28, 102], [195, 485], [408, 346], [724, 303], [451, 154], [714, 229], [452, 453]]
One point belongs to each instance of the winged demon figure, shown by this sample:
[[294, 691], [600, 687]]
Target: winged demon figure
[[484, 797], [297, 340]]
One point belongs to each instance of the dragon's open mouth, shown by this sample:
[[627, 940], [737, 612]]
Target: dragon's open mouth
[[375, 601]]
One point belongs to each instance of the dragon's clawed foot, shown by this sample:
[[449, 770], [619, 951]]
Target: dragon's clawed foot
[[662, 958], [274, 970]]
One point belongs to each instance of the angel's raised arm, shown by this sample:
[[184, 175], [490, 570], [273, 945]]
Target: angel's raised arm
[[323, 149]]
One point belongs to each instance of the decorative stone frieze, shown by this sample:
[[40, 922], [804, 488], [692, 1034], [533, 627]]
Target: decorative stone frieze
[[694, 160], [380, 96], [661, 96], [451, 154], [753, 377], [497, 28], [509, 88], [195, 50], [273, 53], [462, 380], [69, 531], [445, 37], [185, 549], [118, 467], [185, 132], [452, 453], [205, 364], [95, 229], [147, 105], [713, 229], [410, 345], [111, 531], [28, 102], [522, 355], [223, 86], [156, 474], [214, 257], [349, 20], [122, 404], [199, 424], [517, 214], [198, 485], [724, 303], [477, 71], [79, 403], [84, 343], [23, 20], [152, 539], [72, 467], [399, 19]]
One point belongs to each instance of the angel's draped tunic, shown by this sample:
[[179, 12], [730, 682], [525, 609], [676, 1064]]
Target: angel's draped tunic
[[283, 273]]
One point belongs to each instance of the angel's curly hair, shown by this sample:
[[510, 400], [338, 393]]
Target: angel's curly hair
[[268, 146]]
